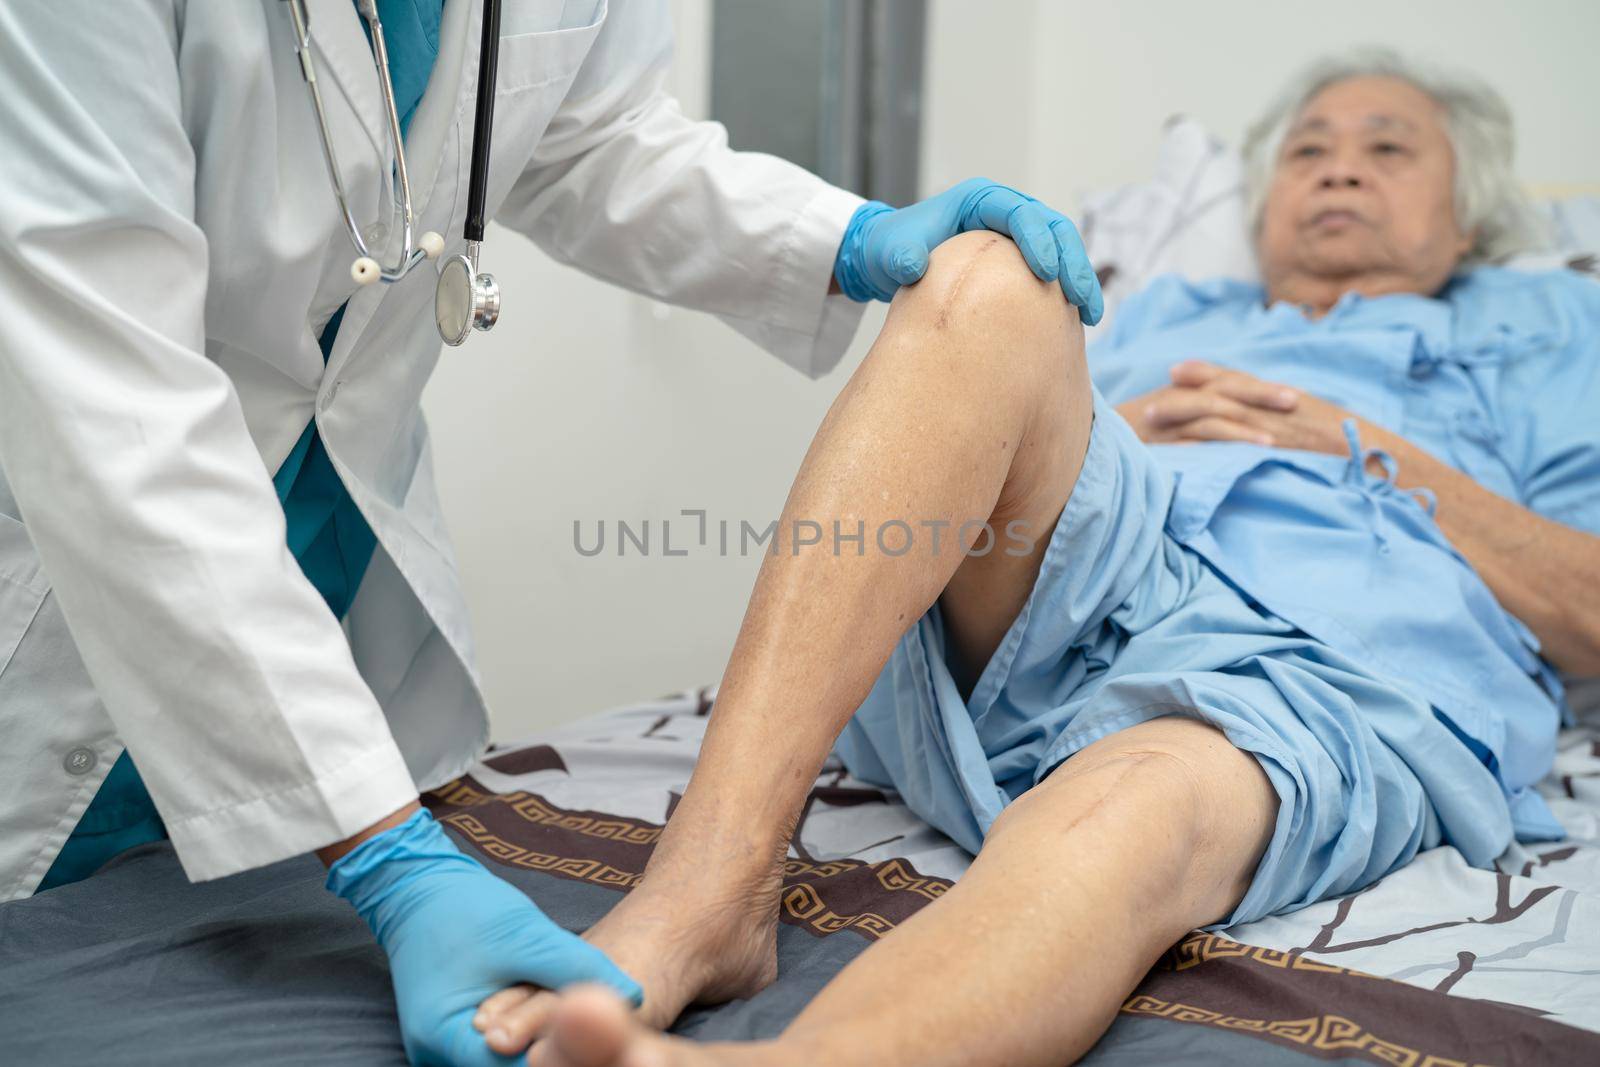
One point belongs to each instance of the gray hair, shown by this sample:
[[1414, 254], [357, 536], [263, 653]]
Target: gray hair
[[1488, 199]]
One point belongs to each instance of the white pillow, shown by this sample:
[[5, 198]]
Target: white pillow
[[1188, 218]]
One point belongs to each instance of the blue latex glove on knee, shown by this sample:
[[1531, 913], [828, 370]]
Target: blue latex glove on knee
[[885, 248], [455, 934]]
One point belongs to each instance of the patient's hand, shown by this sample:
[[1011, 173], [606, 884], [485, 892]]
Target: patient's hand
[[1210, 403], [1532, 563]]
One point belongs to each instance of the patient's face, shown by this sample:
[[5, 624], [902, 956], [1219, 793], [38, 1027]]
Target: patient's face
[[1362, 197]]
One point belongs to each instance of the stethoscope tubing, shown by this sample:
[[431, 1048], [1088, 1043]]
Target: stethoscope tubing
[[366, 267], [483, 120]]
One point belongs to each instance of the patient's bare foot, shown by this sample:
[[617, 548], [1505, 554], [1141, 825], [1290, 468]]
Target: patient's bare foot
[[687, 933], [693, 939], [590, 1027]]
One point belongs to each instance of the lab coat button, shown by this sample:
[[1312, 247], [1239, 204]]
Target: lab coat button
[[80, 761], [333, 391], [376, 234]]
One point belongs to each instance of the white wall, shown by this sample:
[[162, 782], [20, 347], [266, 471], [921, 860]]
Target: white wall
[[589, 403], [1220, 61]]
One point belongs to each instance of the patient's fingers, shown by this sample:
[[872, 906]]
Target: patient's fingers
[[1194, 372], [1243, 387], [1257, 393], [1217, 428], [1172, 408], [497, 1005]]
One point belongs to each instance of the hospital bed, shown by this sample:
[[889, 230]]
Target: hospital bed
[[1437, 964]]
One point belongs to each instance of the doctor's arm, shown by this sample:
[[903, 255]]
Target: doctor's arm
[[221, 669], [626, 187], [223, 672]]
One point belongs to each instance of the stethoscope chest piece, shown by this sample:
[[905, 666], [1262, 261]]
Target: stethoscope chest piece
[[465, 300]]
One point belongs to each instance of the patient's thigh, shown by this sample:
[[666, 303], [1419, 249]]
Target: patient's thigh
[[988, 590]]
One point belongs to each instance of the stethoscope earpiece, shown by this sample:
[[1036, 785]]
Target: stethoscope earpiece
[[365, 270]]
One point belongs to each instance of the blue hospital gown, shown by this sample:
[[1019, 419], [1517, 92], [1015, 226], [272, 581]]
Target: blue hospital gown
[[1310, 610]]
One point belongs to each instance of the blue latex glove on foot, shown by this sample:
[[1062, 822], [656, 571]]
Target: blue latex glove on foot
[[885, 248], [455, 934]]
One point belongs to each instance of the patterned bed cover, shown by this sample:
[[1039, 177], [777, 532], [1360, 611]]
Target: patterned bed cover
[[1438, 964]]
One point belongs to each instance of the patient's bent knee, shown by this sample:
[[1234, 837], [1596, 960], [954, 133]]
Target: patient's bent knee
[[1214, 794], [979, 280]]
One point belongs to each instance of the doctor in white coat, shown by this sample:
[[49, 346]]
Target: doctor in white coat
[[171, 259]]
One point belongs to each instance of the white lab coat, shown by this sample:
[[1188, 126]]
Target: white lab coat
[[169, 253]]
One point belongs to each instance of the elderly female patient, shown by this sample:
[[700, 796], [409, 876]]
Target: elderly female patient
[[1213, 681]]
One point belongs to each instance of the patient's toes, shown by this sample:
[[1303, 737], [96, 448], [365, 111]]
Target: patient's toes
[[500, 1003], [520, 1024], [590, 1027]]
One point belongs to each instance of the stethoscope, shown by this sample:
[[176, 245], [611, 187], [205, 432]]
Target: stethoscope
[[464, 299]]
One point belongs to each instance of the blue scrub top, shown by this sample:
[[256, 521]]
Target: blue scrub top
[[326, 533], [1498, 375]]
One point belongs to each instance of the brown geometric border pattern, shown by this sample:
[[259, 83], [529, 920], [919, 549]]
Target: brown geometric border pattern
[[1199, 947], [1325, 1033], [1337, 1013], [466, 793], [503, 851], [522, 829], [869, 898]]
